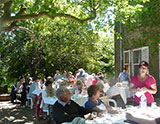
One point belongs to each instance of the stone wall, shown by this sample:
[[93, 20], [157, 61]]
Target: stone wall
[[135, 39]]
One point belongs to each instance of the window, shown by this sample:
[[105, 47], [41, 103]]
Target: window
[[137, 57], [140, 54], [145, 54]]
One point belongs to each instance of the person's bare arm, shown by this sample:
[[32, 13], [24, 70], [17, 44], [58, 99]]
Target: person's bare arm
[[139, 120], [96, 109], [111, 110], [131, 88], [153, 89]]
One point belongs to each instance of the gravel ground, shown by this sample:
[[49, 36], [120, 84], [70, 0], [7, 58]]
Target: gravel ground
[[15, 114]]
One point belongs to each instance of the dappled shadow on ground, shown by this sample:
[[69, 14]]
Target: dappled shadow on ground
[[14, 113]]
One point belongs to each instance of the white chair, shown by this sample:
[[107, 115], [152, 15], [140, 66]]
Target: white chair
[[29, 99], [107, 101]]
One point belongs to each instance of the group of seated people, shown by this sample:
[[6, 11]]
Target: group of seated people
[[80, 74], [65, 109], [28, 85]]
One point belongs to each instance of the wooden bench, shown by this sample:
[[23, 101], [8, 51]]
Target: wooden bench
[[4, 97]]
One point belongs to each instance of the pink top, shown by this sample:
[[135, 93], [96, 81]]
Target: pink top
[[139, 84]]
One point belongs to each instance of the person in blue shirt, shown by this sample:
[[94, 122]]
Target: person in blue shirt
[[34, 86], [123, 76], [95, 104]]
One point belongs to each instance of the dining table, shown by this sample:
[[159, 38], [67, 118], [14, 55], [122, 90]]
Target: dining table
[[49, 101], [148, 113], [37, 91]]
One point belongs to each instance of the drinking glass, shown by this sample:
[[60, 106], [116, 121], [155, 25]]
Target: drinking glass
[[94, 114]]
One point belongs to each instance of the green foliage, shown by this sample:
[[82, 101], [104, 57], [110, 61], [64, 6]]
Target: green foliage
[[67, 44], [147, 22]]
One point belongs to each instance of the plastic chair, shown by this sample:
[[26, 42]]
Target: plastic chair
[[29, 99], [119, 101], [107, 101]]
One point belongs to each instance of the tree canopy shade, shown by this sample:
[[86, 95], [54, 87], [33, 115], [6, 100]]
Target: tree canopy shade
[[13, 11], [68, 46], [69, 31]]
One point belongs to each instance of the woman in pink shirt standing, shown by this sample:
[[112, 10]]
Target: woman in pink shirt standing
[[143, 82]]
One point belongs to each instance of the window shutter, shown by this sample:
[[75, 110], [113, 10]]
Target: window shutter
[[126, 60], [145, 54]]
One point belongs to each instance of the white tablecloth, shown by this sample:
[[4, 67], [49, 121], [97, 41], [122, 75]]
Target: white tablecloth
[[80, 99], [46, 100], [122, 90], [49, 100], [108, 119], [37, 92], [149, 113], [144, 113]]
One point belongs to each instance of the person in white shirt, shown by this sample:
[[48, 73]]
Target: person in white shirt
[[57, 76], [17, 89]]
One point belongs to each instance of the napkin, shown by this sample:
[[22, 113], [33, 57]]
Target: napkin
[[139, 94]]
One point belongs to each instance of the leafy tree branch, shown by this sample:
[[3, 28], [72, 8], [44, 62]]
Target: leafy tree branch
[[10, 21]]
